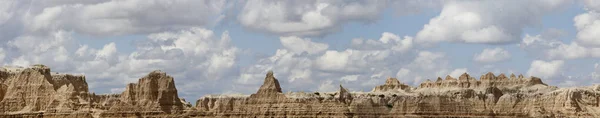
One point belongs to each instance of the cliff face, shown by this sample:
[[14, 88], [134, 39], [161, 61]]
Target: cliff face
[[154, 92], [490, 96], [487, 80], [391, 84], [269, 92], [35, 91]]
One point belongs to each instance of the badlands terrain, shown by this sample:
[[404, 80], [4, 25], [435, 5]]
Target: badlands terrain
[[37, 92]]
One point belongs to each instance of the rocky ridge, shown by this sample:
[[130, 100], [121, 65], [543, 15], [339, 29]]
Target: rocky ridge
[[391, 84], [490, 96], [35, 91]]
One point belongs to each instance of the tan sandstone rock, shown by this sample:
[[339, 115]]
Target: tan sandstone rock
[[391, 84], [36, 92]]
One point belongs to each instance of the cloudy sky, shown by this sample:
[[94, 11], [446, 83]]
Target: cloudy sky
[[312, 45]]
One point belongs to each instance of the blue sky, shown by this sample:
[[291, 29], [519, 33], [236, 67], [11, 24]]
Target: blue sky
[[212, 46]]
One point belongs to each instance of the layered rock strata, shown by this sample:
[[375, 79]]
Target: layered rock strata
[[36, 91], [490, 96], [391, 85]]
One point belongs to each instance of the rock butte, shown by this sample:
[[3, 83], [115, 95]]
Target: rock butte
[[35, 92]]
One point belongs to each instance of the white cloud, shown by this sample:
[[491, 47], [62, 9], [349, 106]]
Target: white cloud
[[306, 18], [299, 45], [108, 17], [349, 78], [403, 72], [592, 5], [457, 72], [568, 51], [5, 13], [425, 60], [554, 49], [364, 64], [334, 60], [545, 69], [588, 25], [2, 55], [195, 57], [327, 86], [489, 55], [487, 22], [387, 41]]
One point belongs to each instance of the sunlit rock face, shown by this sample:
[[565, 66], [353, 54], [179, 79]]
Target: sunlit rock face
[[490, 96], [36, 91], [391, 85]]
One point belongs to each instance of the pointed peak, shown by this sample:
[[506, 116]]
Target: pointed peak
[[521, 76], [488, 76], [464, 76], [270, 85], [448, 77], [345, 96], [512, 76], [270, 73], [392, 81], [342, 89], [156, 72], [439, 79], [502, 76]]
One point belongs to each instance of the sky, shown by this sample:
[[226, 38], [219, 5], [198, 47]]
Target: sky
[[227, 47]]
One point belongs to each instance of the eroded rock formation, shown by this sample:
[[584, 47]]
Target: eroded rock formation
[[490, 96], [392, 85], [154, 93], [35, 91]]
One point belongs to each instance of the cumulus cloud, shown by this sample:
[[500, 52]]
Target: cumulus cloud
[[387, 41], [486, 22], [592, 5], [588, 25], [194, 56], [108, 17], [2, 55], [403, 72], [547, 47], [545, 69], [425, 60], [457, 72], [489, 55], [5, 7], [201, 57], [299, 45], [306, 18], [362, 65], [327, 86]]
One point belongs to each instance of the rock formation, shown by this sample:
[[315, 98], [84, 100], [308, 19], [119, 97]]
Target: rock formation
[[391, 84], [154, 92], [35, 92], [269, 92], [490, 96]]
